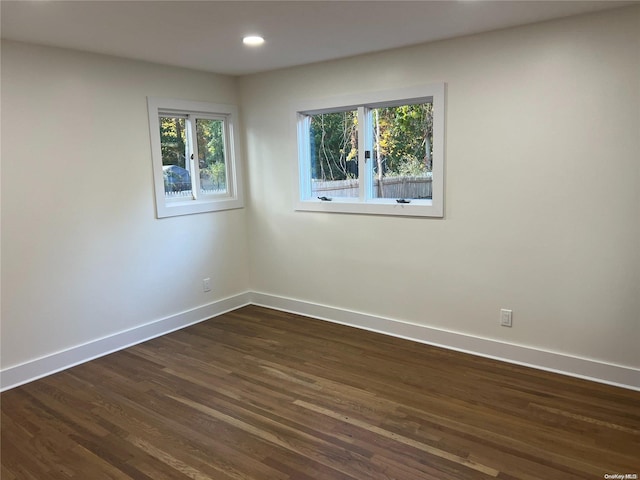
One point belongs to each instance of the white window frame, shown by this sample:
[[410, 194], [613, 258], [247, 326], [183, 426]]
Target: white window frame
[[198, 202], [366, 203]]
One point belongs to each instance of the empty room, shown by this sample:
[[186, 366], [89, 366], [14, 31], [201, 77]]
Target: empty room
[[333, 240]]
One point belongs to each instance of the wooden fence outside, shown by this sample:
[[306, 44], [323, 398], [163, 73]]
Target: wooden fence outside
[[392, 187]]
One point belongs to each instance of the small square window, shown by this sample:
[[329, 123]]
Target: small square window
[[194, 152]]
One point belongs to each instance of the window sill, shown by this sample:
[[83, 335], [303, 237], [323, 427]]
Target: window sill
[[417, 208], [176, 208]]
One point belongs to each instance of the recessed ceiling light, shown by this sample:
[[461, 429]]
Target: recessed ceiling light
[[253, 40]]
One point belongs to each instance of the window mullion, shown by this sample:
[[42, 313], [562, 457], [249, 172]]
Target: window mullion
[[194, 168], [364, 146]]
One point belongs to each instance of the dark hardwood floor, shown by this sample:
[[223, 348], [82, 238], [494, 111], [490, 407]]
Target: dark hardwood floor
[[260, 394]]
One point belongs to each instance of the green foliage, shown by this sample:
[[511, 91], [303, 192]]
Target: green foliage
[[210, 141], [172, 141], [214, 177], [408, 167], [211, 155], [334, 145], [403, 139]]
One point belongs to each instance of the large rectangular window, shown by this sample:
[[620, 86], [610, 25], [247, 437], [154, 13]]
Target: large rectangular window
[[194, 151], [378, 153]]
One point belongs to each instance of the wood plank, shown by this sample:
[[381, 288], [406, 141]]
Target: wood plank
[[257, 394]]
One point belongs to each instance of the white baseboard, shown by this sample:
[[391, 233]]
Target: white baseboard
[[49, 364], [617, 375]]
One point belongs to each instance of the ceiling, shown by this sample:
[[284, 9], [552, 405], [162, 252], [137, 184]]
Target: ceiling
[[207, 35]]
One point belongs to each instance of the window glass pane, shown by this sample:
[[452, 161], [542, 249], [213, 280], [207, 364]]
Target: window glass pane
[[177, 181], [211, 156], [402, 151], [333, 139]]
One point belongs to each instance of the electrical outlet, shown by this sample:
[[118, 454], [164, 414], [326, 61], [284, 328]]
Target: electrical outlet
[[506, 318], [206, 285]]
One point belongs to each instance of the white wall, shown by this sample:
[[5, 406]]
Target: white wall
[[83, 256], [542, 203], [542, 207]]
